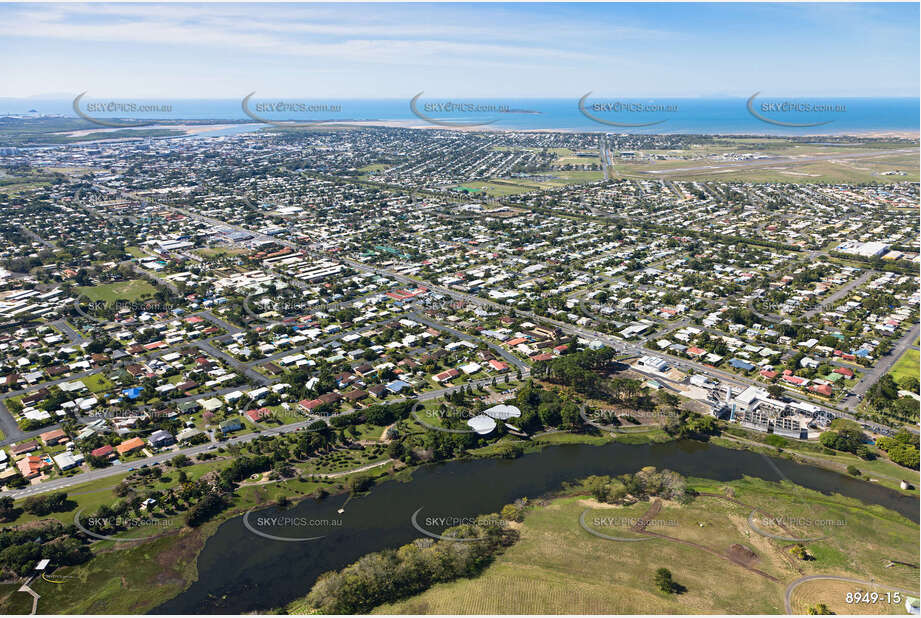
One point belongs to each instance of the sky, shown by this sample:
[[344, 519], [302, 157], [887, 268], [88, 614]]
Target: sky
[[513, 50]]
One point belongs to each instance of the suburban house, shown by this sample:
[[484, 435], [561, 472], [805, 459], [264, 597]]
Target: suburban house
[[129, 446], [161, 438], [103, 452], [54, 437], [31, 466], [23, 448], [231, 425]]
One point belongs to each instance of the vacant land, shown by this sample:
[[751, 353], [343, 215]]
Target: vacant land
[[897, 167], [558, 567], [135, 289], [540, 181], [834, 595], [13, 184], [215, 252], [908, 366], [98, 383]]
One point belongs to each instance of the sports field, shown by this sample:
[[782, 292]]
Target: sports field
[[135, 289]]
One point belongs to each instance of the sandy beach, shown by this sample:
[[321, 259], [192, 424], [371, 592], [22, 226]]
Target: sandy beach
[[187, 129]]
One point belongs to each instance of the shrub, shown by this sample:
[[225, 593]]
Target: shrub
[[664, 581]]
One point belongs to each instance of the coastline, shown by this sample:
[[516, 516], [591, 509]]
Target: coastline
[[420, 124], [203, 127]]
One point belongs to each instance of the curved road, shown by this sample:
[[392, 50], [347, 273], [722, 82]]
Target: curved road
[[852, 580]]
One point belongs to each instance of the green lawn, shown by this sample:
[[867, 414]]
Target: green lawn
[[558, 568], [98, 383], [135, 289], [908, 366], [374, 167], [134, 578], [216, 252]]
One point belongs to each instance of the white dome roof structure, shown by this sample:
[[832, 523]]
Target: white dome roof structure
[[482, 424], [502, 412]]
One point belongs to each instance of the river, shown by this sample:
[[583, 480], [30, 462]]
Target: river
[[240, 571]]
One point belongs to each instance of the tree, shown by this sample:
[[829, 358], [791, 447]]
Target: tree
[[902, 448], [8, 512], [664, 581], [51, 503], [820, 609], [775, 440], [569, 415], [799, 552]]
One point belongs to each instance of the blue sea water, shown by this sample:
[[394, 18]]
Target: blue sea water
[[670, 115]]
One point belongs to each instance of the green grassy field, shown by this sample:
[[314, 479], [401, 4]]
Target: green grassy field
[[832, 592], [216, 252], [908, 366], [135, 289], [98, 383], [499, 187], [880, 470], [558, 567], [374, 167], [832, 171], [133, 578]]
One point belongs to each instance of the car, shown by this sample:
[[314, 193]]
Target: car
[[132, 469]]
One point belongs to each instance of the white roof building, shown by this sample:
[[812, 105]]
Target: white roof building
[[482, 424], [502, 412]]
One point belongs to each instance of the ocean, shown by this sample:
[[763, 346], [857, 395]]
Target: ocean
[[762, 115]]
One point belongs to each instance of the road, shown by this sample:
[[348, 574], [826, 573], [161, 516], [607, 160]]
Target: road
[[872, 375], [59, 484], [250, 373], [505, 354], [851, 580], [73, 336], [615, 342], [827, 303]]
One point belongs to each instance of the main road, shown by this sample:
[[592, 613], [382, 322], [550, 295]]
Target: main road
[[617, 343], [62, 483]]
